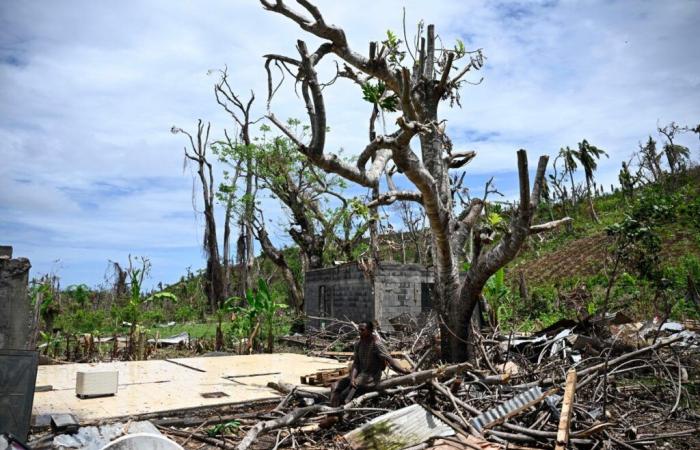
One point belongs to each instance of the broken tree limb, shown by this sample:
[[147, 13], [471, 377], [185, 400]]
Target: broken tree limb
[[295, 415], [566, 410], [288, 388], [452, 398], [534, 229], [610, 364], [422, 376], [627, 356], [191, 435], [286, 420]]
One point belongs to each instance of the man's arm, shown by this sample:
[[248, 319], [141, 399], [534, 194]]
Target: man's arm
[[386, 356], [353, 369]]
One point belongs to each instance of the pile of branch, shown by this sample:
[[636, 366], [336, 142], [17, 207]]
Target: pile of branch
[[559, 389]]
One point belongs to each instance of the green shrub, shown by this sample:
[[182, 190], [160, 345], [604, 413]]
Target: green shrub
[[82, 321], [186, 313], [153, 316]]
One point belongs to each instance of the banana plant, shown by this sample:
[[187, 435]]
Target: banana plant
[[136, 303], [496, 292], [265, 306], [226, 308], [52, 341]]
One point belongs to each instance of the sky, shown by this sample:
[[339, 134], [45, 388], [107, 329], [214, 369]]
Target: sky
[[90, 172]]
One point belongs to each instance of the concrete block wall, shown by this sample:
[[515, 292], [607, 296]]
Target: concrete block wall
[[398, 290], [346, 288]]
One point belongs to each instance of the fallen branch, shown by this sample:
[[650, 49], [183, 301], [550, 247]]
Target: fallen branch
[[288, 388], [295, 415], [534, 229], [416, 378], [192, 435]]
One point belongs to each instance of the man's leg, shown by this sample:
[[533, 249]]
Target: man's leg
[[339, 391]]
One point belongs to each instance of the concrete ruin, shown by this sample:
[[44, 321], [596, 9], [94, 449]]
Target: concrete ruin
[[15, 308], [18, 362], [346, 292]]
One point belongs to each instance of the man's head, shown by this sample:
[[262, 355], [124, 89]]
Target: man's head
[[365, 328]]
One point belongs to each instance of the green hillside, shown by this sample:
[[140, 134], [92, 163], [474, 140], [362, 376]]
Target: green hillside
[[568, 272]]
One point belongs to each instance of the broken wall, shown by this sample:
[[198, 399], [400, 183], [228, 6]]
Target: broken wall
[[15, 308]]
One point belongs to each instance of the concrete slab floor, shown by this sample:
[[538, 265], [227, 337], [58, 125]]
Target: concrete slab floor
[[160, 386]]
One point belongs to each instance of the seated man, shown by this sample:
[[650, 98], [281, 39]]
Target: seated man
[[368, 362]]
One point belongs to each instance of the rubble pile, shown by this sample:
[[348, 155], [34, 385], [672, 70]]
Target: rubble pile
[[605, 384]]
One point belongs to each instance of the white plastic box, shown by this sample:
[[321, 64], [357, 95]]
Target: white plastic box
[[96, 384]]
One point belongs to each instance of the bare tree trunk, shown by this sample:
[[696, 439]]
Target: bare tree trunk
[[240, 112], [227, 247], [214, 279], [277, 257], [573, 191], [248, 219], [594, 216]]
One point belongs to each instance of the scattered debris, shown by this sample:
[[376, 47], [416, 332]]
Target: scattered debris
[[325, 377], [64, 423], [95, 438], [583, 384], [178, 339], [510, 408], [142, 441], [402, 428]]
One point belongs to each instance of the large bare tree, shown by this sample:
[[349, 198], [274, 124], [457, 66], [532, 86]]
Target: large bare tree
[[214, 275], [240, 111], [432, 78]]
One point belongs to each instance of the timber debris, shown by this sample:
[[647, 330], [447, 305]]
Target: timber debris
[[573, 385]]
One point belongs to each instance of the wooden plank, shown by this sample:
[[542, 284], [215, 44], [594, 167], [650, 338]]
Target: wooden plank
[[566, 410], [325, 377]]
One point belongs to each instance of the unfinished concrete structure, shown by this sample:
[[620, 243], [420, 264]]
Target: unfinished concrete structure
[[15, 308], [346, 292]]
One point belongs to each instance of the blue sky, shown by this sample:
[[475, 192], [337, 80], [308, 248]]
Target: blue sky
[[90, 172]]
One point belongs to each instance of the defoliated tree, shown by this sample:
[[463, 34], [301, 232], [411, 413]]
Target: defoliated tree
[[429, 78], [649, 161], [676, 155], [214, 283], [240, 112]]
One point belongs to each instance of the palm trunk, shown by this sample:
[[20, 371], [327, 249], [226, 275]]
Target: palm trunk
[[594, 216], [573, 191]]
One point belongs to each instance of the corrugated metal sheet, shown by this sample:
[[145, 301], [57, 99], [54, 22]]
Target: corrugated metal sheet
[[398, 429], [504, 408]]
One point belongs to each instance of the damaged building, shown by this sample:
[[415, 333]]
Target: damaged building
[[348, 292]]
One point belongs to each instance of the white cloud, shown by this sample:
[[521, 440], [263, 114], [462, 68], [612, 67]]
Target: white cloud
[[89, 91]]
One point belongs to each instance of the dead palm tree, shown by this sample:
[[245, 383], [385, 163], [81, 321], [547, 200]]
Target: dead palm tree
[[587, 155]]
